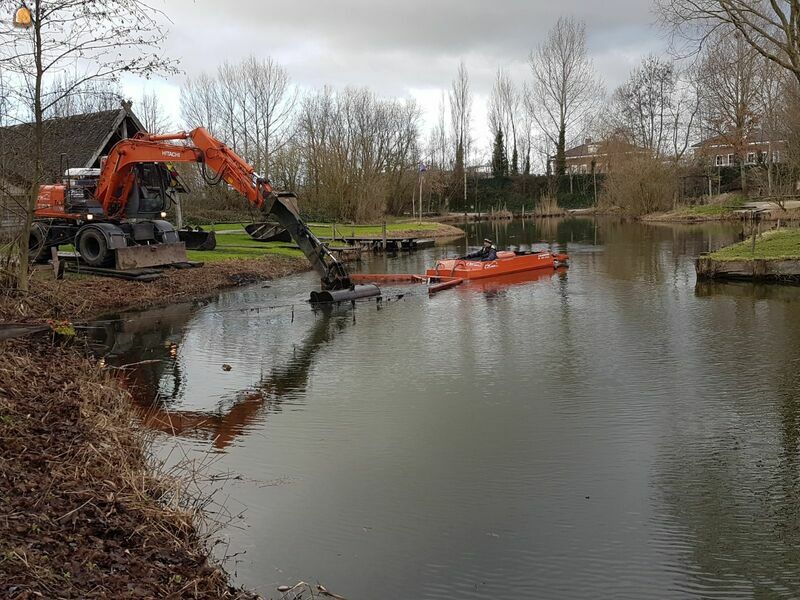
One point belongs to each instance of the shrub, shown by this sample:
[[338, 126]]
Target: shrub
[[639, 184]]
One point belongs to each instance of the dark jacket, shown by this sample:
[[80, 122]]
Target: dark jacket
[[484, 254]]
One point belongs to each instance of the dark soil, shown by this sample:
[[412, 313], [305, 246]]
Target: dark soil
[[83, 514], [76, 298]]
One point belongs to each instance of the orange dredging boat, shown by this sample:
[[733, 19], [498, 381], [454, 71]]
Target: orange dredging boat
[[449, 273], [507, 262]]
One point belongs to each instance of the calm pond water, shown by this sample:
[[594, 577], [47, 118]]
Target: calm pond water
[[612, 431]]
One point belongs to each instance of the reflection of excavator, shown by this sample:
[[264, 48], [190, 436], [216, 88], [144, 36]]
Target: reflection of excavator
[[115, 215], [159, 335], [250, 403]]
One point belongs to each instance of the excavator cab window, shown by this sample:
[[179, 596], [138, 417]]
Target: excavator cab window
[[149, 196]]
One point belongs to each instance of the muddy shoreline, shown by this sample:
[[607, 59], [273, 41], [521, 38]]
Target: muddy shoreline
[[78, 298], [84, 511]]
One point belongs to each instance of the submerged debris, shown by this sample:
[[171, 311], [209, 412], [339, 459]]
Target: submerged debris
[[298, 591]]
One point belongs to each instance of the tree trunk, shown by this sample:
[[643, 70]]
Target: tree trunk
[[561, 159], [743, 175], [33, 191]]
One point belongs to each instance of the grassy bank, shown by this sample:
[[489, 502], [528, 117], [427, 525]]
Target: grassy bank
[[720, 208], [782, 244], [84, 513]]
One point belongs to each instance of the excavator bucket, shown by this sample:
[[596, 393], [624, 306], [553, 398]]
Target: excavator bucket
[[197, 239], [357, 292], [156, 255], [268, 232]]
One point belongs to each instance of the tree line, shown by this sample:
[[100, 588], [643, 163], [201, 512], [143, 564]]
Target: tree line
[[354, 155]]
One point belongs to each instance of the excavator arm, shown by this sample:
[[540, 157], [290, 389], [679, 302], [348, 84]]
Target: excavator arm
[[118, 178]]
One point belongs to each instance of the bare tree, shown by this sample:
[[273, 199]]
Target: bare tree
[[643, 103], [775, 105], [152, 114], [198, 104], [359, 152], [92, 96], [504, 115], [770, 27], [565, 88], [732, 77], [5, 101], [249, 105], [684, 114], [461, 119], [95, 40], [656, 108], [273, 99], [440, 158]]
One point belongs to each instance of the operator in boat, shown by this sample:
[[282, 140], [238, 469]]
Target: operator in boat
[[485, 254]]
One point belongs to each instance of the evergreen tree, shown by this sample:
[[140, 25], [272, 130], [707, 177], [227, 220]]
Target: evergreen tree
[[527, 169], [514, 162], [499, 159]]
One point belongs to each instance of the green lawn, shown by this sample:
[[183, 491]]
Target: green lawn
[[240, 245], [251, 250], [713, 210], [326, 229], [781, 244]]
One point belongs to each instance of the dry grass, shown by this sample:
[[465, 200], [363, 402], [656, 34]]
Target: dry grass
[[83, 511], [548, 207]]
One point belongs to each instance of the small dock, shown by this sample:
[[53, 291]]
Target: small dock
[[787, 270], [381, 244]]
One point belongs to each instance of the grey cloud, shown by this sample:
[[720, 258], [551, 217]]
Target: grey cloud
[[397, 47], [390, 45]]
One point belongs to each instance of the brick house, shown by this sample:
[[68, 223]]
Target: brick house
[[759, 148], [594, 156]]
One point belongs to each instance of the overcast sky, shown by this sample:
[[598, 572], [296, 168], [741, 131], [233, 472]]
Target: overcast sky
[[397, 48]]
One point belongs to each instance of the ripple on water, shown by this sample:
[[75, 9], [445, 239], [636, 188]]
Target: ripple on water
[[607, 433]]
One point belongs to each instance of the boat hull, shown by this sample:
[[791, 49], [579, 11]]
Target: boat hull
[[506, 264]]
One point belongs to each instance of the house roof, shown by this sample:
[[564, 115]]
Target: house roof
[[601, 147], [757, 136], [81, 139]]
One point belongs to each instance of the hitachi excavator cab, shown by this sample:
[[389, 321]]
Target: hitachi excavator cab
[[151, 195]]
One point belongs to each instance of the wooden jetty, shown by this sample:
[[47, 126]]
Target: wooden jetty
[[382, 244], [787, 270]]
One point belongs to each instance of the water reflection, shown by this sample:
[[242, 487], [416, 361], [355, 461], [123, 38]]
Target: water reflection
[[612, 430], [156, 381]]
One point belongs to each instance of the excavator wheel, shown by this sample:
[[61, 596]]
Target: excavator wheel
[[38, 251], [93, 248]]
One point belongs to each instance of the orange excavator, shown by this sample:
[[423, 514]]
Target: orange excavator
[[114, 216]]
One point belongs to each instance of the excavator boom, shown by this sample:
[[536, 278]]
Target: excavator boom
[[199, 146]]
